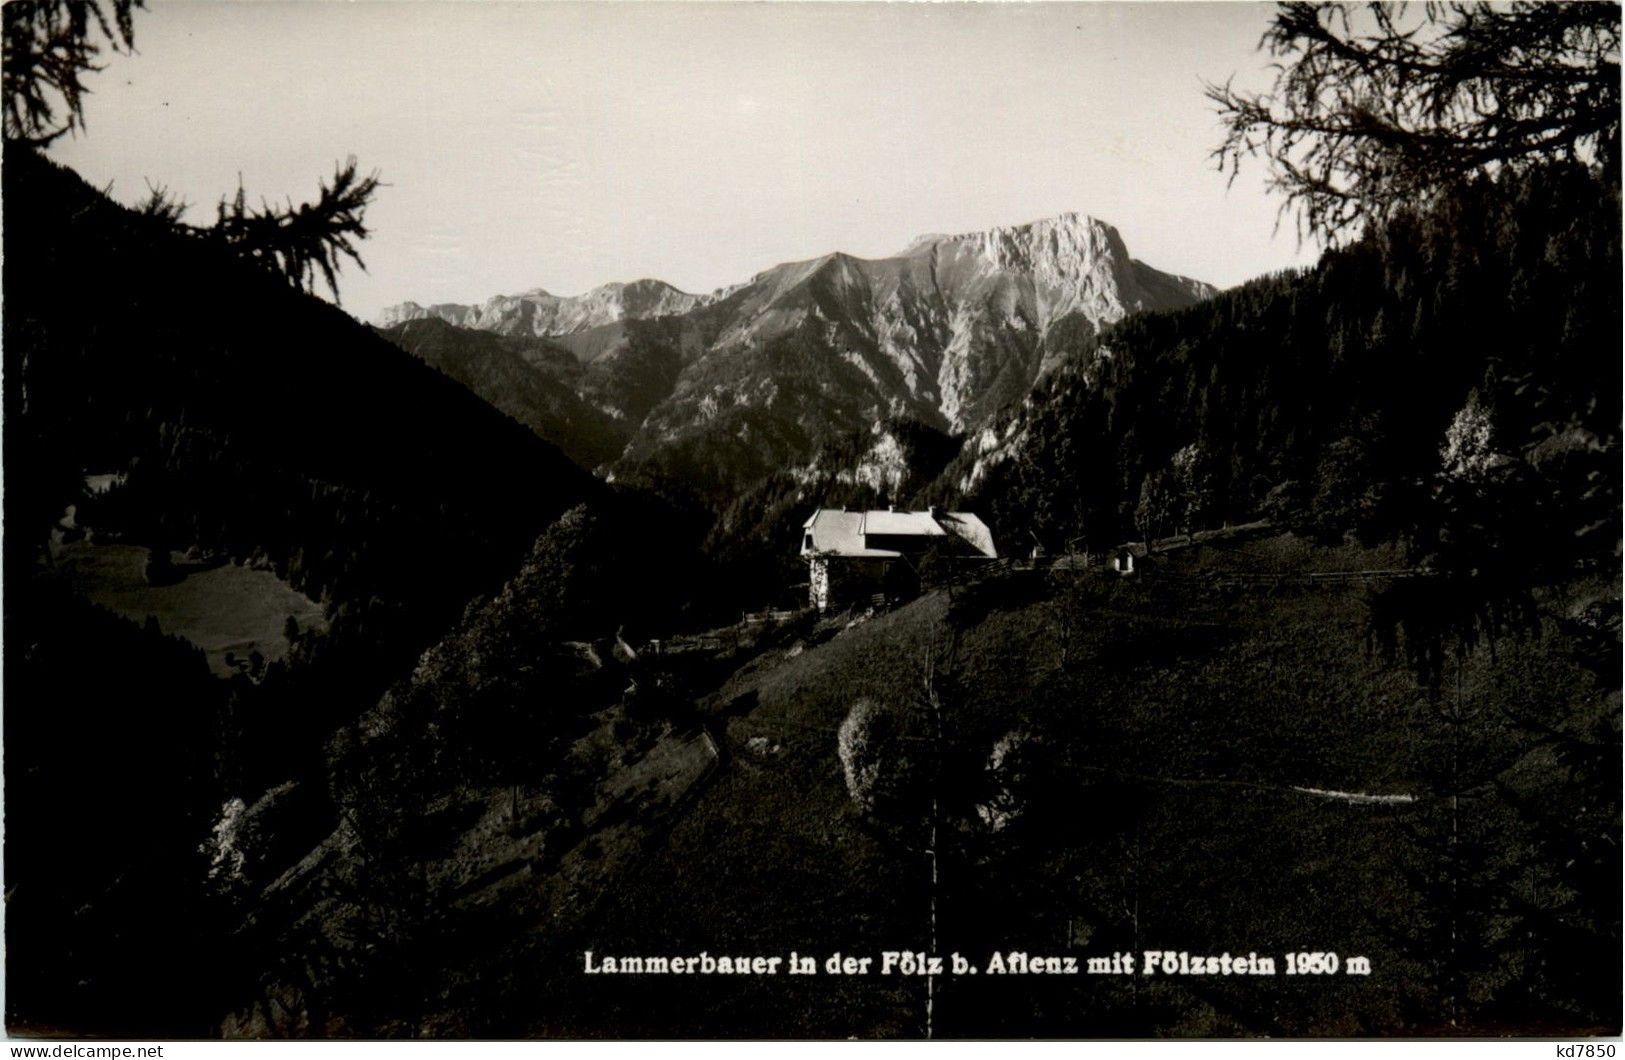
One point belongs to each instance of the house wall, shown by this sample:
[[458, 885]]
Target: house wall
[[836, 581]]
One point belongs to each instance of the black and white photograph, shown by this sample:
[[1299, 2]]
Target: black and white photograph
[[667, 521]]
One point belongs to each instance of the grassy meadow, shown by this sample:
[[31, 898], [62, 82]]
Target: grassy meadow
[[222, 608]]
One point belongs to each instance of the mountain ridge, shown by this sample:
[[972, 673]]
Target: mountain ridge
[[757, 375], [655, 297], [539, 313]]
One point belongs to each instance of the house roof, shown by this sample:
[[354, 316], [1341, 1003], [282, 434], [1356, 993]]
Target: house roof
[[972, 529], [844, 533], [840, 532], [901, 524]]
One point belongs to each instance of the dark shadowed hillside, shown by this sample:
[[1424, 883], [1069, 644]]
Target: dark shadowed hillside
[[247, 416], [241, 421], [530, 379]]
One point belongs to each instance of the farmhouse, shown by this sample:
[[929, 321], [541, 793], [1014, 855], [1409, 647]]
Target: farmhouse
[[853, 554]]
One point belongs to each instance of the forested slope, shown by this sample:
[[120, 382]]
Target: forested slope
[[1323, 398]]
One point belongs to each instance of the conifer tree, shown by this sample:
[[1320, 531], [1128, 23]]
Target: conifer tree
[[49, 46], [298, 242], [1381, 106]]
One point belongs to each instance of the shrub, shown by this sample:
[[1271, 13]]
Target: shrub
[[1012, 771], [867, 745]]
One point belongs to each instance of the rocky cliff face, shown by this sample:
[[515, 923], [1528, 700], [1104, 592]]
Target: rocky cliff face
[[946, 332], [957, 326]]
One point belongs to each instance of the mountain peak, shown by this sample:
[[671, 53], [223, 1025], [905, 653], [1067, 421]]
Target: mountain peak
[[1070, 228], [1075, 262]]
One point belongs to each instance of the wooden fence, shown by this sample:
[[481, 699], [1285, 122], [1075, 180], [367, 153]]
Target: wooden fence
[[1083, 563], [1281, 580], [756, 618]]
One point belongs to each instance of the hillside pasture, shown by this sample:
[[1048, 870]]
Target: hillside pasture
[[220, 608], [1194, 759]]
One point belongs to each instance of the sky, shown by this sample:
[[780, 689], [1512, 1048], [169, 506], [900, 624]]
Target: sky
[[565, 145]]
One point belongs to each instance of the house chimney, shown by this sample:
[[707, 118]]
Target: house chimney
[[891, 507], [931, 511]]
